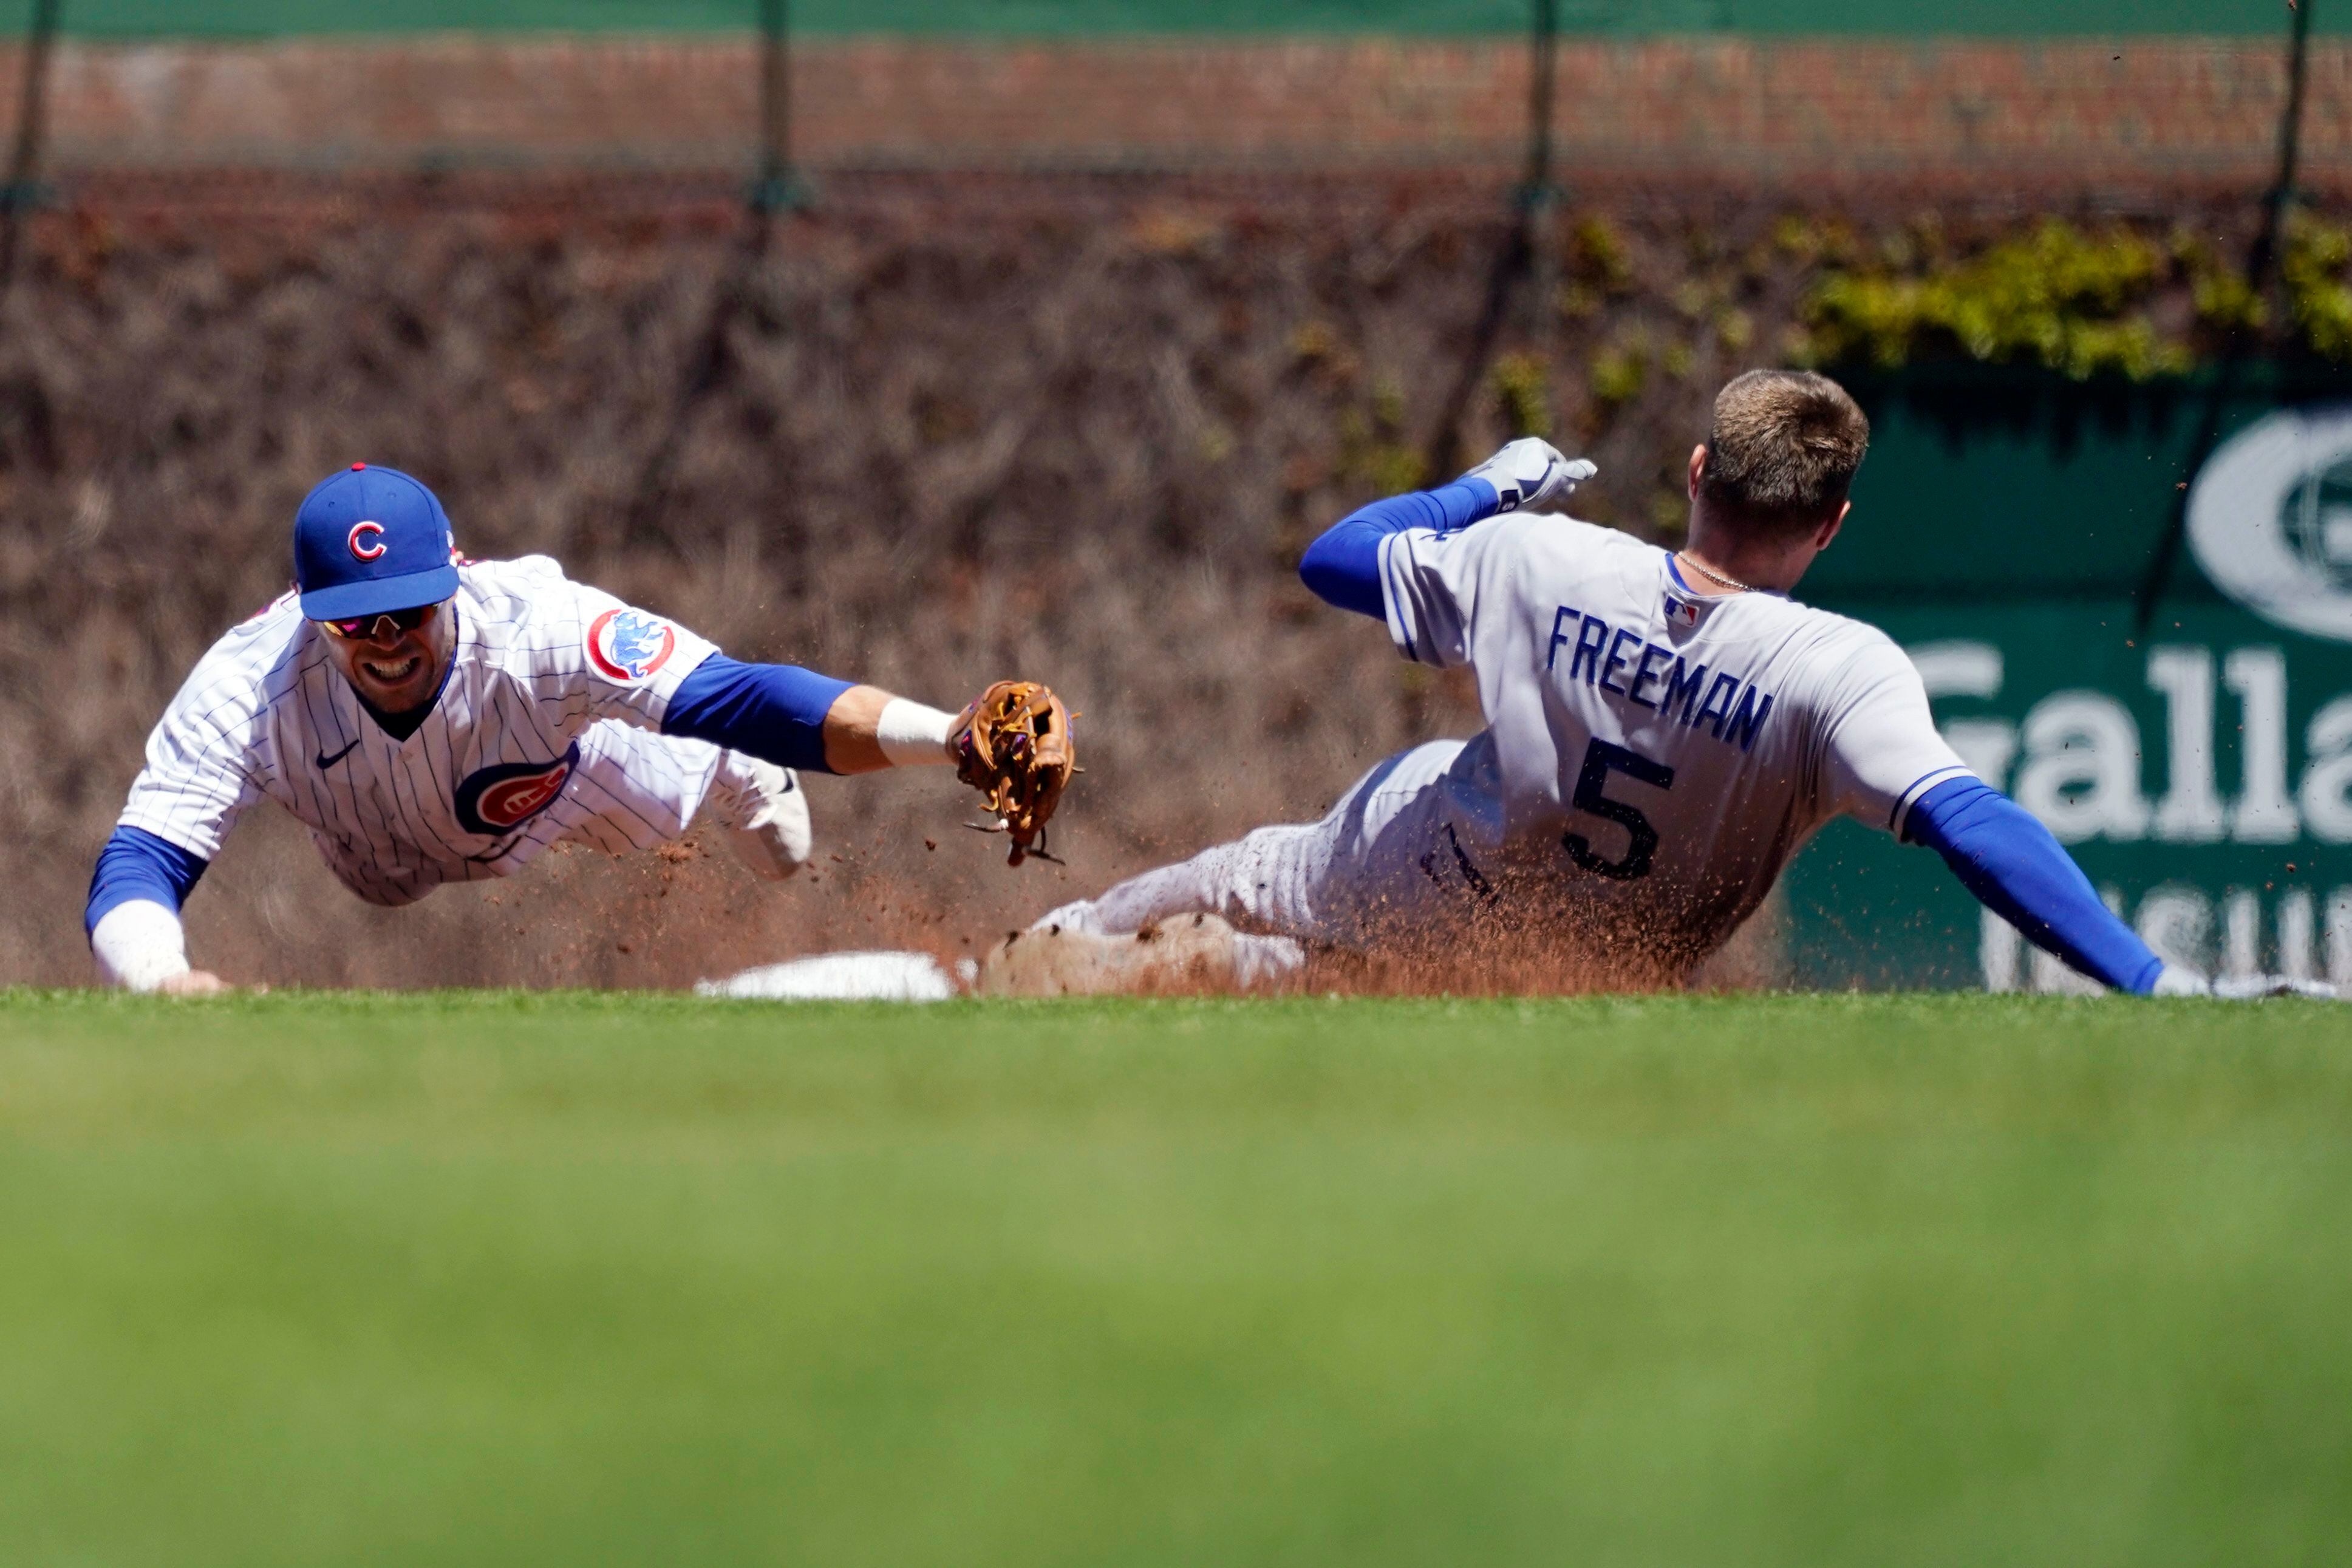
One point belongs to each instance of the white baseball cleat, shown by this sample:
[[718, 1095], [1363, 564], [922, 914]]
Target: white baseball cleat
[[766, 813], [1531, 475], [1179, 956]]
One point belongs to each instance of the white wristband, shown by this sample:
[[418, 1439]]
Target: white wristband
[[138, 946], [912, 735]]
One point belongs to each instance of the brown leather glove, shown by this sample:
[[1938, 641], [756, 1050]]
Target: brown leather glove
[[1013, 745]]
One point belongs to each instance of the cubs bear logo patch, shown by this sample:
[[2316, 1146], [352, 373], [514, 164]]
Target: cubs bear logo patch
[[628, 646], [498, 799]]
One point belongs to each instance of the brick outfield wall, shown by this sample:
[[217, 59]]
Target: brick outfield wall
[[2164, 113]]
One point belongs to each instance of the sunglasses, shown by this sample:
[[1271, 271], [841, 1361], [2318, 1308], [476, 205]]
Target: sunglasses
[[361, 628]]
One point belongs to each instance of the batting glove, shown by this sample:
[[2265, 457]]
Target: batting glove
[[2175, 981], [1531, 475], [2258, 987]]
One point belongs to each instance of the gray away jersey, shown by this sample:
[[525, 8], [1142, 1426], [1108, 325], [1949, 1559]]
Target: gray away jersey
[[518, 752], [1653, 756]]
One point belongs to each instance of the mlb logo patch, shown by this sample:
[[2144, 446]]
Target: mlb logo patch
[[1681, 612], [627, 646]]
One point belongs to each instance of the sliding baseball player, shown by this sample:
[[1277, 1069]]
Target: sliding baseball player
[[1665, 730]]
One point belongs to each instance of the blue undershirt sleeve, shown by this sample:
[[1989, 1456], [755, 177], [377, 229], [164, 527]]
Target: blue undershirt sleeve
[[2004, 855], [136, 864], [775, 711], [1343, 566]]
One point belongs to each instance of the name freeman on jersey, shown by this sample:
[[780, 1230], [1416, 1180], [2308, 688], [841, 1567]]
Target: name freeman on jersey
[[1730, 711]]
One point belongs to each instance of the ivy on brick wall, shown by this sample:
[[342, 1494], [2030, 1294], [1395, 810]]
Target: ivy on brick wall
[[2316, 291], [2082, 301], [2056, 297], [1652, 309]]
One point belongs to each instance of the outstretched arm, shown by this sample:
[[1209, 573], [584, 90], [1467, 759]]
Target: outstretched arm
[[1013, 744], [799, 719], [2005, 857], [1884, 762], [1343, 566]]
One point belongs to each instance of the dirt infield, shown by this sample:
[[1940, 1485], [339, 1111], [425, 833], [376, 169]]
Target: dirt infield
[[938, 432]]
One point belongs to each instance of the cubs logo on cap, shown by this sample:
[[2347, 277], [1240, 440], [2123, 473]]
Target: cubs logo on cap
[[370, 540], [628, 646], [495, 800]]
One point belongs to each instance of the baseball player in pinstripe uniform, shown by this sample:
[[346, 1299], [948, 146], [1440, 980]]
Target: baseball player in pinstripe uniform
[[437, 720]]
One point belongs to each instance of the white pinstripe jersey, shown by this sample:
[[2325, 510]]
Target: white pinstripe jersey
[[1656, 753], [543, 671]]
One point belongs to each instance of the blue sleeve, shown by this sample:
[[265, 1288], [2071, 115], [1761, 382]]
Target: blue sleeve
[[2004, 855], [772, 710], [1343, 566], [136, 864]]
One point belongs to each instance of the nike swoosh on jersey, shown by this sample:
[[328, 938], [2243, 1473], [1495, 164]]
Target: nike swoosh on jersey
[[325, 761]]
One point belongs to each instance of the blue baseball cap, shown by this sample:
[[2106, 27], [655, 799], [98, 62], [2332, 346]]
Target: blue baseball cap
[[371, 540]]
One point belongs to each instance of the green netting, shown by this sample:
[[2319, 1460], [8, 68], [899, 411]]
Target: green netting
[[251, 18]]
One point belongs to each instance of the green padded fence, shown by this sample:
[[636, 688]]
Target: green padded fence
[[1978, 18], [2197, 759]]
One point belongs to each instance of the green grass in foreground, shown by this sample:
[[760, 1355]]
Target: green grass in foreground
[[571, 1279]]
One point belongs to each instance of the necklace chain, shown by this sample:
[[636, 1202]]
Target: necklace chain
[[1711, 574]]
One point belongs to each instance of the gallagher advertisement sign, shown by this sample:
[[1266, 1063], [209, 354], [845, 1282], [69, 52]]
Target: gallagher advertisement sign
[[2180, 716]]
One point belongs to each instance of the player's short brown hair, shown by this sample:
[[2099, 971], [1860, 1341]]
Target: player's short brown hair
[[1783, 450]]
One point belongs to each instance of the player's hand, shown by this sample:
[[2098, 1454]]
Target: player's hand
[[2258, 987], [193, 983], [1531, 475], [2175, 981]]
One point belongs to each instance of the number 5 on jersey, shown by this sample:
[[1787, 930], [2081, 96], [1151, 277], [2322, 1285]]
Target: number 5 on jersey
[[1600, 760]]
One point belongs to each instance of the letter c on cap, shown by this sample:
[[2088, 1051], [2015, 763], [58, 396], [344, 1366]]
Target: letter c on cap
[[371, 546]]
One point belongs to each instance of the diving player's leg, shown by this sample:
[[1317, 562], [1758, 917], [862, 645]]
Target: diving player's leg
[[634, 789], [765, 812]]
